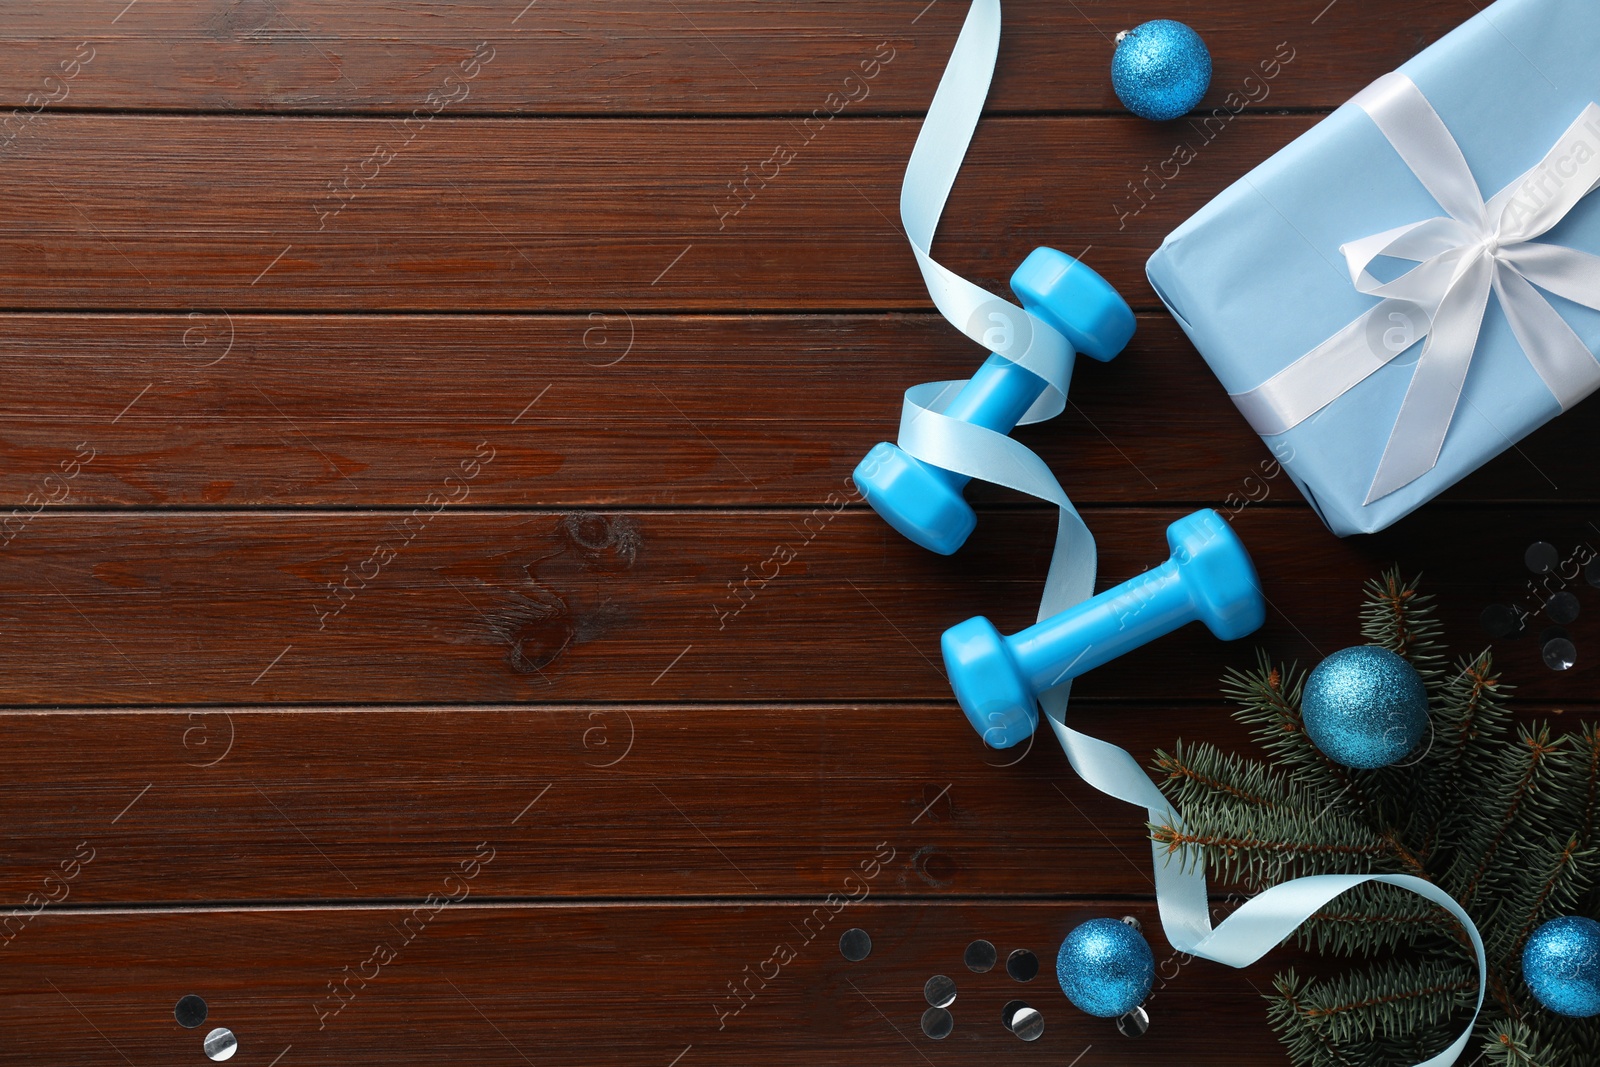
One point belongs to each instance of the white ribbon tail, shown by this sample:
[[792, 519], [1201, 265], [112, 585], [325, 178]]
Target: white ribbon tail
[[1559, 356], [931, 172], [929, 435], [1430, 401]]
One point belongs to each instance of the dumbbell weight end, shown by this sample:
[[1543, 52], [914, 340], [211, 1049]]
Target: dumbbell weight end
[[1209, 577], [924, 502]]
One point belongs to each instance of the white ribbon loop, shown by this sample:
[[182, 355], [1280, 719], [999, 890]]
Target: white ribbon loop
[[933, 437], [935, 161], [1461, 257]]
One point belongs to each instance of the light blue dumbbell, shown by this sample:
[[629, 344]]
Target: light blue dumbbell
[[924, 502], [1209, 578]]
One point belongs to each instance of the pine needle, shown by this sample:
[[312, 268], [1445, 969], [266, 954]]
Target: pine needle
[[1505, 818]]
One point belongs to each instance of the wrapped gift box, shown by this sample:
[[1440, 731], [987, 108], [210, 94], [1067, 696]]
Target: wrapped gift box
[[1264, 279]]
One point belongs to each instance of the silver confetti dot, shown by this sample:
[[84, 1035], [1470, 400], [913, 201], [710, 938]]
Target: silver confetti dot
[[980, 956], [1560, 654], [220, 1044], [190, 1011], [1022, 965], [1541, 557], [937, 1023], [939, 991], [1502, 621], [1028, 1024], [1562, 608], [855, 944], [1133, 1024]]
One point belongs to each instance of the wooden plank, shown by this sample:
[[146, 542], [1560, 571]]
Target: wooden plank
[[185, 213], [458, 606], [697, 57], [180, 807], [494, 984], [217, 409], [609, 801]]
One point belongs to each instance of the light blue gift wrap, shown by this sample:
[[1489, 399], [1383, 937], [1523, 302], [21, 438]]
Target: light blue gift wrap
[[1390, 311]]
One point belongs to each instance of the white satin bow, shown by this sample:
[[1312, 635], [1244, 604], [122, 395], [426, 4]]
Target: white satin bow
[[1461, 256]]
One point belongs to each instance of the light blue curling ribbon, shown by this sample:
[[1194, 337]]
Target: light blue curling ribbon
[[925, 432], [1264, 921]]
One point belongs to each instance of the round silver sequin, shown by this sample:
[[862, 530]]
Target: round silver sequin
[[939, 991], [190, 1011], [1559, 654], [1541, 557], [1022, 965], [220, 1044], [1502, 621], [1028, 1024], [1562, 608], [1009, 1012], [855, 944], [980, 956], [1133, 1024], [937, 1023]]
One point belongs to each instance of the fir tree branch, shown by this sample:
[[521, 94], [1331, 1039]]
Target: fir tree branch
[[1505, 819], [1407, 858], [1469, 713], [1287, 1011], [1401, 619], [1562, 865], [1539, 748], [1383, 1003], [1457, 986], [1512, 1044], [1589, 747], [1176, 769], [1375, 918], [1176, 839]]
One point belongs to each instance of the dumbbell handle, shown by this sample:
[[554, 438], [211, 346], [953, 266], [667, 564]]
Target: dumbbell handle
[[997, 396], [1103, 627]]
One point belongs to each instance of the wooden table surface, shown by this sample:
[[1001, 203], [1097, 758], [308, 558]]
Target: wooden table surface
[[398, 396]]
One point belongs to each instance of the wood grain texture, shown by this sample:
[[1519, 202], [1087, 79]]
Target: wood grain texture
[[425, 437], [302, 805], [610, 802], [697, 56], [510, 986], [450, 214], [461, 606], [605, 409]]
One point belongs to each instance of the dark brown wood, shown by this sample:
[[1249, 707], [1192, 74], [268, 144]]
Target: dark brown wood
[[386, 478], [461, 606], [696, 56], [614, 802], [572, 215], [214, 409], [509, 986]]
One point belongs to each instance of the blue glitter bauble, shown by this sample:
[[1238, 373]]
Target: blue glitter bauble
[[1105, 967], [1161, 70], [1562, 966], [1365, 707]]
